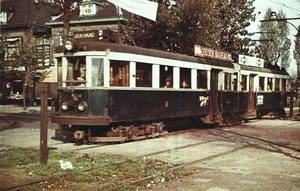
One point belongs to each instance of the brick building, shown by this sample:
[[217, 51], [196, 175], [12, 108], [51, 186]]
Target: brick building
[[19, 16]]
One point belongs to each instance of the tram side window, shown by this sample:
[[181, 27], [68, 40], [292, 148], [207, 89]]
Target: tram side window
[[261, 84], [119, 73], [143, 75], [283, 84], [228, 81], [76, 71], [270, 84], [59, 71], [166, 76], [201, 79], [244, 83], [234, 81], [277, 83], [97, 72], [185, 78]]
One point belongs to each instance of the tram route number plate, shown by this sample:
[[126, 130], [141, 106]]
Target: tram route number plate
[[52, 89]]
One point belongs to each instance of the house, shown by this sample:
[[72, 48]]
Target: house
[[91, 16], [19, 16]]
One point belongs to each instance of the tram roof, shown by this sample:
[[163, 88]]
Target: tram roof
[[103, 46], [266, 70]]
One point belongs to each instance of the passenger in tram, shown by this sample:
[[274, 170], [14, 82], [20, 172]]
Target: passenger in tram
[[168, 83], [184, 84], [82, 74]]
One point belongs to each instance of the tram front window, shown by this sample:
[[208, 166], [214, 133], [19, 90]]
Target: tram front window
[[76, 72], [97, 72]]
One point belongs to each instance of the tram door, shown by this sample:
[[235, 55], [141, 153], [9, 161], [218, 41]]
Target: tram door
[[251, 97], [214, 96]]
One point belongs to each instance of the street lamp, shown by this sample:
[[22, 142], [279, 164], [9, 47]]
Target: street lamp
[[273, 17]]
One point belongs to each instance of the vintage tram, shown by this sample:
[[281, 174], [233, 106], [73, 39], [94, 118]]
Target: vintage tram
[[112, 92]]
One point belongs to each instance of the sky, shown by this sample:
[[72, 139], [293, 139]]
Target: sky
[[292, 10]]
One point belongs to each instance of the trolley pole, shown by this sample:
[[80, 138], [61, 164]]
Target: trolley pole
[[44, 123]]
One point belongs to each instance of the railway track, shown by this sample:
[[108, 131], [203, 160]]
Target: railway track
[[218, 134]]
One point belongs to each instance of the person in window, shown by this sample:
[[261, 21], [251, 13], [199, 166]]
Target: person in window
[[82, 74], [168, 83], [184, 84]]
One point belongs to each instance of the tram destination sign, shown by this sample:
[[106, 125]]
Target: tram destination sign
[[86, 35], [251, 61], [206, 52]]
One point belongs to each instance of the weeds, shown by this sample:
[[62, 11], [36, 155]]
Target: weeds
[[89, 172]]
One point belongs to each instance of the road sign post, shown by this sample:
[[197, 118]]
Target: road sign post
[[44, 122], [45, 90]]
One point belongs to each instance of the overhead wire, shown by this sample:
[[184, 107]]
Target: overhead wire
[[293, 9]]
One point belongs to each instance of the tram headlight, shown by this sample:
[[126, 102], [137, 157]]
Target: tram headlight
[[71, 100], [64, 106], [82, 106]]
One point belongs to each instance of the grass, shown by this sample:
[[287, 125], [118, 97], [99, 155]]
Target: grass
[[90, 172]]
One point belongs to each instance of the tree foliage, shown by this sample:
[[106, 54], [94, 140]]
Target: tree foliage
[[214, 23], [297, 51], [66, 7], [276, 51]]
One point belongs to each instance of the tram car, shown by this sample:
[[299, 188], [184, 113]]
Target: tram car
[[114, 93]]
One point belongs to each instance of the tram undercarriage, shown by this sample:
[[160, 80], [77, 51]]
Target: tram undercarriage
[[118, 134]]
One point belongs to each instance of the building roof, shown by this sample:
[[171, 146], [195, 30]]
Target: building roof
[[106, 13], [25, 13]]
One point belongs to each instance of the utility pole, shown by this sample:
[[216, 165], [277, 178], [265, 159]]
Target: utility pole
[[273, 17]]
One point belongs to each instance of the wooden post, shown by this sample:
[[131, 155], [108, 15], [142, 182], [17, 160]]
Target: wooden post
[[291, 104], [298, 94], [44, 122]]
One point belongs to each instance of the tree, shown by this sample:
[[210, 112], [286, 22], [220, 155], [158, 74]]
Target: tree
[[182, 24], [297, 52], [66, 7], [22, 62], [234, 17], [277, 50]]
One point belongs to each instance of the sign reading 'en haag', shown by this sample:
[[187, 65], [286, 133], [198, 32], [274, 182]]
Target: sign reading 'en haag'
[[206, 52], [86, 35]]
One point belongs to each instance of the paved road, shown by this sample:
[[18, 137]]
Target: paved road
[[259, 155]]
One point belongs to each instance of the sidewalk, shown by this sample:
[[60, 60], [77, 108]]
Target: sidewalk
[[20, 109]]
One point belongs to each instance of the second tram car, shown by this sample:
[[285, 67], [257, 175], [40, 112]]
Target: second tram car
[[114, 92]]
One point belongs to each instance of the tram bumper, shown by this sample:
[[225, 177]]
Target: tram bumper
[[77, 120]]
